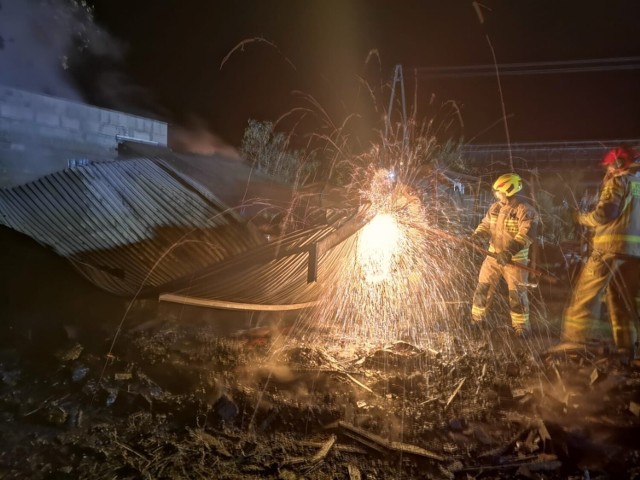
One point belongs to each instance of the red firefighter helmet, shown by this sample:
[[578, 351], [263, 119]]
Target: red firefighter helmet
[[619, 157]]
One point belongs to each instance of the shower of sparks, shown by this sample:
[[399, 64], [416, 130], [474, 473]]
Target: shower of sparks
[[378, 245], [396, 279], [401, 277]]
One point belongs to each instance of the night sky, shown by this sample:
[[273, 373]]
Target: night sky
[[171, 52]]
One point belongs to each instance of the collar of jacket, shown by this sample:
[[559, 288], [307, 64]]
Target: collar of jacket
[[618, 173], [512, 201]]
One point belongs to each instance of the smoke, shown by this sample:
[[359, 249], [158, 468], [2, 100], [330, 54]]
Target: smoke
[[39, 37], [196, 137], [56, 48]]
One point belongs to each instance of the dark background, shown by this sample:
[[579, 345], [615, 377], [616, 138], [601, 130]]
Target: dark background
[[176, 49], [172, 60]]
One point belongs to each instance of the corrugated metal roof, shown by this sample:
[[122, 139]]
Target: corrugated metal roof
[[139, 227], [273, 274], [127, 224], [233, 180]]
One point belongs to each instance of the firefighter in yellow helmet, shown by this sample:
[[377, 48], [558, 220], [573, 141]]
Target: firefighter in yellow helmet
[[509, 226], [614, 262]]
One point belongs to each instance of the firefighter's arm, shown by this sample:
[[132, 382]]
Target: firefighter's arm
[[527, 226], [608, 207], [483, 230]]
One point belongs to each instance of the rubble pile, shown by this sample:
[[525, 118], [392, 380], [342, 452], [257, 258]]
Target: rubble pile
[[175, 401]]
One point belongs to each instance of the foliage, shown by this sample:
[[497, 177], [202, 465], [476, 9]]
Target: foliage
[[268, 152]]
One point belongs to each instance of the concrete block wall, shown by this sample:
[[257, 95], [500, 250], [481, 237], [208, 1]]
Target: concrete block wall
[[39, 134]]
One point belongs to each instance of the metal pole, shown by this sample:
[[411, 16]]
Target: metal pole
[[397, 78]]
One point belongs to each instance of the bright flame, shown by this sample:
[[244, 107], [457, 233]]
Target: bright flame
[[378, 242]]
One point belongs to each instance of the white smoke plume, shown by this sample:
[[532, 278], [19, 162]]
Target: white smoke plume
[[45, 44], [37, 38]]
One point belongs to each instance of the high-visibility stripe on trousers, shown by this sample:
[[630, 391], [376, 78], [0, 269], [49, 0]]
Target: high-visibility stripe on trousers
[[616, 274], [516, 278]]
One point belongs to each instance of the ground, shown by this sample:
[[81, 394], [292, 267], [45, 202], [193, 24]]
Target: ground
[[89, 392]]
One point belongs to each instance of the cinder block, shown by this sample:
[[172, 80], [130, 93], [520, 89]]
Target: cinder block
[[108, 142], [141, 135], [50, 119], [160, 128], [70, 123], [108, 129], [55, 132], [44, 104], [72, 110], [50, 124], [130, 122], [114, 118], [91, 126], [101, 141], [89, 114], [16, 112]]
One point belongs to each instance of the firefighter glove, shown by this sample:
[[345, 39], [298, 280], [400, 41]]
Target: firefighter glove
[[504, 257], [584, 219], [575, 216], [476, 240], [580, 218], [514, 247]]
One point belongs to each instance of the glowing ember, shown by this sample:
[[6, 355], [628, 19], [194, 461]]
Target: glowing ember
[[378, 243]]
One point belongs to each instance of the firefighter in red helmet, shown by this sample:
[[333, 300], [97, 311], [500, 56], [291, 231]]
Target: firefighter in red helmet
[[614, 263], [509, 226]]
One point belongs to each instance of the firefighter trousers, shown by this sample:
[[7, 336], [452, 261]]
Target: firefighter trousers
[[618, 276], [488, 279]]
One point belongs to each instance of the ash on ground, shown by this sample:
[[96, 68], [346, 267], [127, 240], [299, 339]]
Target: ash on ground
[[185, 398]]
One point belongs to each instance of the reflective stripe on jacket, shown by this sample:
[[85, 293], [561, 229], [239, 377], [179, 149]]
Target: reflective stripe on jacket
[[516, 220], [616, 218]]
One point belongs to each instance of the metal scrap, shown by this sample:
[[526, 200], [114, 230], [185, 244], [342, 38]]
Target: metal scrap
[[542, 462], [317, 457], [455, 392], [382, 445]]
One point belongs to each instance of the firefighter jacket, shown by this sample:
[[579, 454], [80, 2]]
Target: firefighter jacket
[[511, 227], [616, 218]]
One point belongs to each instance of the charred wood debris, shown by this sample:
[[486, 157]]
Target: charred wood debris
[[178, 401]]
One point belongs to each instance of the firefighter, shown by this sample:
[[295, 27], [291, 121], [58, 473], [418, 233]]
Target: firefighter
[[614, 261], [509, 227]]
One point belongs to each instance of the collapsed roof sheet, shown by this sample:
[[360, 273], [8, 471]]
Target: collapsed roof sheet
[[139, 227], [127, 224], [233, 181]]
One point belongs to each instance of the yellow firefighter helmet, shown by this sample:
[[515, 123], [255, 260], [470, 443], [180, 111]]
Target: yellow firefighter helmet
[[509, 184]]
